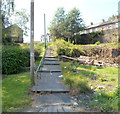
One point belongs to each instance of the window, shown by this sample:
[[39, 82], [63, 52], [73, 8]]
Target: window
[[85, 32], [116, 24], [96, 29], [103, 28], [90, 30], [110, 26]]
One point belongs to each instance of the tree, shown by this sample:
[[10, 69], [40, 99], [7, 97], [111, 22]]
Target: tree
[[74, 24], [21, 19], [7, 7], [57, 23], [66, 26], [111, 18], [10, 16]]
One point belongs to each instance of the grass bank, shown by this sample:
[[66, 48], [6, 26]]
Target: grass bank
[[15, 92], [99, 80], [103, 52]]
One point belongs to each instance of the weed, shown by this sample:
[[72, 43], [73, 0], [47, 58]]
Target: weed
[[102, 80]]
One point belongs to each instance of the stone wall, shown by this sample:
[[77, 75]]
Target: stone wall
[[110, 35], [106, 36]]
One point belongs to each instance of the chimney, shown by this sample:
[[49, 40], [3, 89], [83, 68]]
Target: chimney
[[117, 17], [103, 20], [91, 23]]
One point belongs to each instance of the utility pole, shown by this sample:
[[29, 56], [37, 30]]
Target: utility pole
[[32, 43], [0, 58], [45, 30], [118, 21]]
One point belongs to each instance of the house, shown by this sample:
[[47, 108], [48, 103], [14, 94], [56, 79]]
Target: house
[[104, 25], [48, 38], [14, 32], [109, 30]]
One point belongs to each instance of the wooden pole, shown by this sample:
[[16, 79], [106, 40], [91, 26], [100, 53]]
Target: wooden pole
[[119, 21], [0, 58], [45, 30], [32, 44]]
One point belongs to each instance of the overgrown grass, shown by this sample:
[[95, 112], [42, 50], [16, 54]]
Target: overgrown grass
[[15, 91], [102, 50], [103, 81], [111, 45]]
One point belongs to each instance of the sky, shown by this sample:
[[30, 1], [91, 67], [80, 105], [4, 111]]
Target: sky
[[91, 11]]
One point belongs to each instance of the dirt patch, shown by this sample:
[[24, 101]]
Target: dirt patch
[[103, 53], [83, 101]]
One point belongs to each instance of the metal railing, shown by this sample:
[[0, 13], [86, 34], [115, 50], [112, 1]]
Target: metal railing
[[40, 64]]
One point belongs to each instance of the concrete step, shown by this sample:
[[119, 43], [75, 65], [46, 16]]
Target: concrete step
[[37, 89], [50, 82], [49, 71], [51, 63], [50, 68], [51, 108], [49, 78], [57, 109], [52, 87], [51, 59], [48, 75], [53, 99]]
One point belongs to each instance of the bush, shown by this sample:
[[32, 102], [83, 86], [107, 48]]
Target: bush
[[68, 49], [97, 43], [38, 49], [14, 59]]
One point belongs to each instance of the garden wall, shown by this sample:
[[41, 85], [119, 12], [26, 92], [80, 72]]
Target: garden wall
[[106, 36]]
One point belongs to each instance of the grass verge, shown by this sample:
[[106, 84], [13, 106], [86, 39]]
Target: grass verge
[[15, 91], [102, 81]]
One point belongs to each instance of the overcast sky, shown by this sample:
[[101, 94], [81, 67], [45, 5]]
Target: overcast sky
[[91, 11]]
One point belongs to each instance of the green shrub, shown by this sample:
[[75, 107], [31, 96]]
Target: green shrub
[[14, 59], [68, 49], [97, 43], [38, 49]]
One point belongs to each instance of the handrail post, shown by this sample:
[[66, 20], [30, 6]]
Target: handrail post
[[45, 30]]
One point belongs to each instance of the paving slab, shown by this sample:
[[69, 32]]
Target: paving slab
[[46, 76], [47, 109], [50, 56], [50, 68], [51, 59], [51, 62], [53, 100], [31, 109], [50, 82], [58, 89], [57, 109]]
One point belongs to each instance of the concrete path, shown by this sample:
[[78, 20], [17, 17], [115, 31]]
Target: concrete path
[[49, 75], [55, 97], [50, 82]]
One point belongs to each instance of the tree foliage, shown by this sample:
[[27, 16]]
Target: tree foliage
[[20, 18], [111, 18], [57, 24], [7, 7], [66, 26], [11, 16]]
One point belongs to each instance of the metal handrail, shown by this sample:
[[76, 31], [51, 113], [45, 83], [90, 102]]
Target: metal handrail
[[41, 61]]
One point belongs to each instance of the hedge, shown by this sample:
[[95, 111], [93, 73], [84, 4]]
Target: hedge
[[14, 59]]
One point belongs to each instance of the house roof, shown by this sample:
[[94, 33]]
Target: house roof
[[14, 25], [103, 23]]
